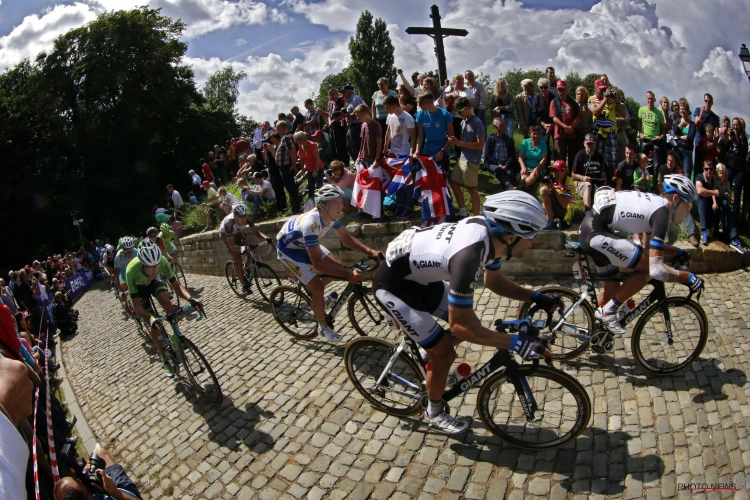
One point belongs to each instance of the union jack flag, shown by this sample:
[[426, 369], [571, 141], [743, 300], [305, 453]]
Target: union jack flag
[[431, 189]]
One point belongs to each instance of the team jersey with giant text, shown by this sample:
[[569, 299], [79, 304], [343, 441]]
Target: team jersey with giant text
[[633, 212]]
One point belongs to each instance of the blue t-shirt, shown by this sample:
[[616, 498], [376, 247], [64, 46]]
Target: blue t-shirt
[[434, 126], [709, 118], [471, 129], [532, 155]]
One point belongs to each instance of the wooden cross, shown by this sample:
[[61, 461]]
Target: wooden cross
[[437, 32]]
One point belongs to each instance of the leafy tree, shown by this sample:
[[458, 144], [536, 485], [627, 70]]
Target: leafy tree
[[372, 56], [514, 77], [485, 80], [222, 88], [332, 81]]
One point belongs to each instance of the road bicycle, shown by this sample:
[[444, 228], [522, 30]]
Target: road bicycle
[[291, 306], [668, 337], [528, 405], [265, 278], [178, 272], [179, 350]]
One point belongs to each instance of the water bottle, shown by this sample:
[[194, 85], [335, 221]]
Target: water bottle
[[458, 374], [331, 300]]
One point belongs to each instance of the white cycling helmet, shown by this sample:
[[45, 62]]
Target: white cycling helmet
[[109, 248], [127, 243], [150, 255], [239, 209], [681, 185], [515, 212], [328, 192]]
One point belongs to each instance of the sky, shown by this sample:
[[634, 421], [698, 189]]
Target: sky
[[288, 46]]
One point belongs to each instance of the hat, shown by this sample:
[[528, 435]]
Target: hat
[[600, 84], [561, 84], [348, 86], [559, 165], [205, 184], [589, 138], [526, 81], [318, 133]]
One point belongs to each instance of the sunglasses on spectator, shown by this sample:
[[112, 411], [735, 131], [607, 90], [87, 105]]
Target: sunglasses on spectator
[[708, 169]]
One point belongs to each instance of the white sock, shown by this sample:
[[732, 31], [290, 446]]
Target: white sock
[[434, 408], [611, 307], [462, 212]]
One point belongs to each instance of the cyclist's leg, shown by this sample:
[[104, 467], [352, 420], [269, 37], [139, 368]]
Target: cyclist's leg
[[298, 261], [158, 290]]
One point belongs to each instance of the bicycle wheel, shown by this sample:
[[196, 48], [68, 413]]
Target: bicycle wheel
[[179, 274], [366, 316], [652, 349], [292, 310], [561, 407], [266, 280], [173, 294], [580, 322], [199, 372], [232, 280], [402, 389], [138, 320]]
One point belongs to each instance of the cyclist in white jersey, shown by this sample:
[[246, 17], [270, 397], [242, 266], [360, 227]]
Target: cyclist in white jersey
[[432, 273], [299, 249], [635, 212], [230, 233], [123, 257]]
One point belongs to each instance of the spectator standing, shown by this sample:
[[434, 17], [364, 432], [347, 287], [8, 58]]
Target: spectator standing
[[623, 119], [626, 169], [401, 135], [176, 198], [379, 112], [480, 96], [500, 155], [550, 74], [459, 89], [503, 104], [704, 116], [416, 86], [407, 101], [541, 110], [708, 147], [210, 203], [605, 111], [564, 111], [310, 161], [221, 162], [234, 164], [257, 140], [208, 173], [312, 118], [466, 173], [665, 111], [586, 125], [705, 184], [298, 125], [434, 126], [674, 111], [673, 166], [736, 149], [371, 145], [588, 171], [354, 123], [242, 146], [285, 155], [683, 129], [195, 179], [651, 129], [337, 125], [524, 107], [725, 213], [532, 156]]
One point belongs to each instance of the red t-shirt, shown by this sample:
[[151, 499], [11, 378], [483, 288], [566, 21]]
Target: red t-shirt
[[568, 113], [305, 153], [241, 147], [207, 174], [370, 134], [8, 332]]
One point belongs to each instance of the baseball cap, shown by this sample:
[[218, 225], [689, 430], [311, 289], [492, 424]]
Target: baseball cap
[[205, 184], [561, 84], [589, 138], [600, 84], [559, 165], [318, 133]]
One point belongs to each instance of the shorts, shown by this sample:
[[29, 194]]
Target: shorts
[[299, 263], [558, 212], [466, 174], [145, 291], [122, 480], [412, 305], [609, 252]]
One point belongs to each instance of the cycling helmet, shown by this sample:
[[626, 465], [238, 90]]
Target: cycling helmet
[[681, 185], [164, 227], [328, 192], [109, 248], [127, 243], [149, 255], [514, 212], [152, 231], [239, 209]]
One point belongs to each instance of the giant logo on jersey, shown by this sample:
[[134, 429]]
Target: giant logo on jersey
[[632, 215], [422, 264]]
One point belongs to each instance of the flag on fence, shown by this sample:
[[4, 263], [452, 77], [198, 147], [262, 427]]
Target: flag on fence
[[431, 189]]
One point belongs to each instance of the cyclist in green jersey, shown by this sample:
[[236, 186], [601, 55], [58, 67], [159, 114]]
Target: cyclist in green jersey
[[153, 238], [142, 277], [172, 243]]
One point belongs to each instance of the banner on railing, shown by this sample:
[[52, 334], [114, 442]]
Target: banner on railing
[[79, 283]]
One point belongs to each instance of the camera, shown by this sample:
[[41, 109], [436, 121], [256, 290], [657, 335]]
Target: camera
[[77, 464], [335, 115], [329, 172], [547, 179], [611, 93]]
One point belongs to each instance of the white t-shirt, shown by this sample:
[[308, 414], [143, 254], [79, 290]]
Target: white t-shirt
[[229, 197], [196, 179], [14, 454], [466, 92], [399, 129], [257, 138], [271, 194], [177, 199]]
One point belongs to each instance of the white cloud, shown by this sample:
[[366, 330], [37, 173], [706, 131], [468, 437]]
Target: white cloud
[[240, 41]]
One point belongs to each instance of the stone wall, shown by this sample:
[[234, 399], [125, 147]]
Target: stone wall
[[205, 254]]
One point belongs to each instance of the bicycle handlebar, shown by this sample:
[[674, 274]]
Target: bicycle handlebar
[[361, 264], [182, 311]]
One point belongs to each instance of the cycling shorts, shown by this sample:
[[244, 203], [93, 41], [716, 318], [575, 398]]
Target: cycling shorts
[[412, 305], [153, 288], [608, 251], [298, 262]]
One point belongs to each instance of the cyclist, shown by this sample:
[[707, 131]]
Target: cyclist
[[635, 212], [152, 236], [172, 243], [432, 273], [230, 233], [142, 278], [108, 259], [126, 254], [299, 249]]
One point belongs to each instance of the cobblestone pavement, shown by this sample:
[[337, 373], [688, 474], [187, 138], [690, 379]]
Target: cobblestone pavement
[[292, 426]]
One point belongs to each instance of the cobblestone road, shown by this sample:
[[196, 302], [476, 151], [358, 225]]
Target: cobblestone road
[[292, 426]]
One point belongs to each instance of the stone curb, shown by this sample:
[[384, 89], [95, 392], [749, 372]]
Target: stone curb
[[85, 434]]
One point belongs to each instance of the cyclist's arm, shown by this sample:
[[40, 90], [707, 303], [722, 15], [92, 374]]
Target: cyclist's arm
[[257, 232], [505, 287], [177, 287], [657, 269], [465, 325], [351, 242]]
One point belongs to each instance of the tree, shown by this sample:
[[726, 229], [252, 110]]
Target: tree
[[372, 56], [222, 88], [332, 81], [514, 77], [485, 80]]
